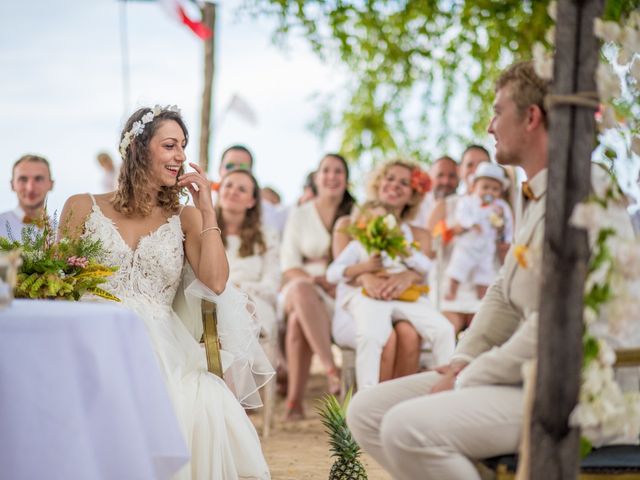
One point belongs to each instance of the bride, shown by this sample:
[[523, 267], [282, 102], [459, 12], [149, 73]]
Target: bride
[[147, 234]]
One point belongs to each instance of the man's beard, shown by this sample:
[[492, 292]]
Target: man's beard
[[442, 192]]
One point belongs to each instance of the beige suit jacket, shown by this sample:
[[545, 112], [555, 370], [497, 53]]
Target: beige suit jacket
[[503, 334]]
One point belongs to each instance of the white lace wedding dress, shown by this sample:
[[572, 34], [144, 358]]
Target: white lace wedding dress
[[223, 443]]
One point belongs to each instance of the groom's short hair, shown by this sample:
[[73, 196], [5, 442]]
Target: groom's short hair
[[527, 87]]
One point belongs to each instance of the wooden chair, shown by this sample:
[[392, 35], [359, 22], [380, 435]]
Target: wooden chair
[[619, 462], [348, 374], [214, 364]]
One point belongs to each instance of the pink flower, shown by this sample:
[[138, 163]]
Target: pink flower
[[81, 262]]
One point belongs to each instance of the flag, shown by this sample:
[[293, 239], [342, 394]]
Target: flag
[[240, 106], [177, 9]]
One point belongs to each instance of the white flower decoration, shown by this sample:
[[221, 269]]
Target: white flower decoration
[[390, 221], [608, 82], [137, 128], [148, 117], [542, 61], [607, 31], [552, 10]]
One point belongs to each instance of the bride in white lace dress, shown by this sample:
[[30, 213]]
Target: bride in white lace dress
[[147, 234]]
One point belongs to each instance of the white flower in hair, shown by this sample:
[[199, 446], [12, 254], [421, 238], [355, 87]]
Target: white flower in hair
[[137, 128]]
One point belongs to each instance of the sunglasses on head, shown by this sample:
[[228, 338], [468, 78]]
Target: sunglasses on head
[[235, 166]]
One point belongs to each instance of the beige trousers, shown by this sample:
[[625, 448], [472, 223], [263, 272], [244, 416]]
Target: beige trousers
[[415, 435]]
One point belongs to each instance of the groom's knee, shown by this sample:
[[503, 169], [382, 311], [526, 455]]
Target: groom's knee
[[397, 432], [359, 415]]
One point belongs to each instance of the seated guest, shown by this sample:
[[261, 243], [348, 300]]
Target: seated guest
[[252, 249], [375, 317], [31, 180], [307, 296]]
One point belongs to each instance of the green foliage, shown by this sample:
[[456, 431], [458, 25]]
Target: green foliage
[[585, 447], [65, 269], [412, 55], [381, 234], [342, 444]]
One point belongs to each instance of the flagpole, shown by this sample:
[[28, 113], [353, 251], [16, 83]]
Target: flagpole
[[209, 19], [124, 46]]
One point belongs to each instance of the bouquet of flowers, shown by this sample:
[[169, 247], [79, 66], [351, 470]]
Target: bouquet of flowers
[[381, 234], [66, 269]]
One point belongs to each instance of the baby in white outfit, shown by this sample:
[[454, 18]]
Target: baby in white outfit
[[482, 219]]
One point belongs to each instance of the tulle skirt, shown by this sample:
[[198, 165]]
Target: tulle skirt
[[224, 444]]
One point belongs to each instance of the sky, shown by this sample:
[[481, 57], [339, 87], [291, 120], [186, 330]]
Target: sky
[[61, 89]]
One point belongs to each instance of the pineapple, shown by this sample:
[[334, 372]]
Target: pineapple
[[347, 465]]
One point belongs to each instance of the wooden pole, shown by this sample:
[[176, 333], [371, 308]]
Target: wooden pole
[[209, 19], [554, 446]]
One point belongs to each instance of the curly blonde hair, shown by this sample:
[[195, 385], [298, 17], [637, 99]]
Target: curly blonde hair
[[132, 196], [373, 185], [251, 236]]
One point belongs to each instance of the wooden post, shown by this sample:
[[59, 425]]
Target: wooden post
[[554, 446], [209, 19]]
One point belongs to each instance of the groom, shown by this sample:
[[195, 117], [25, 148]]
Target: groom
[[432, 425]]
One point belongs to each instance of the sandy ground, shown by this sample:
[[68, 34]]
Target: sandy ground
[[299, 450]]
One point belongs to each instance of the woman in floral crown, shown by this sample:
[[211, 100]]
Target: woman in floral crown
[[387, 331], [148, 235]]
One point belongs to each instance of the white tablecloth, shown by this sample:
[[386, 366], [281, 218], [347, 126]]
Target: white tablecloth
[[82, 397]]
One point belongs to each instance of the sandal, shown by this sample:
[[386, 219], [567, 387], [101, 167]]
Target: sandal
[[293, 412]]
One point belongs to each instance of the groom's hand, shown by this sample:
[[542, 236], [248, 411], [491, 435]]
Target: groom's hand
[[448, 376]]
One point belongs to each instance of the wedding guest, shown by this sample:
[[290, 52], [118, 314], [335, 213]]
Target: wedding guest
[[483, 219], [252, 249], [397, 191], [110, 173], [444, 175], [309, 189], [440, 218], [269, 194], [150, 236], [308, 297], [240, 157], [472, 156], [421, 426], [31, 181]]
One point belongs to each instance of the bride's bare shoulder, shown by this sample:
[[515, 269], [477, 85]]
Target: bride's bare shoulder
[[76, 209]]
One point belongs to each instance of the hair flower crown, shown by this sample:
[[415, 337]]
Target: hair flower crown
[[138, 127], [420, 180]]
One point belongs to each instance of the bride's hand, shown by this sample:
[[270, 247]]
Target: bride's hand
[[199, 187]]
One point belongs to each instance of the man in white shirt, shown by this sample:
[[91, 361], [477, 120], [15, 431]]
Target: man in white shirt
[[31, 180], [444, 175]]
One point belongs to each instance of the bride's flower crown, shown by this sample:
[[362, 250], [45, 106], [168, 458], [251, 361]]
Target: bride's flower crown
[[138, 127]]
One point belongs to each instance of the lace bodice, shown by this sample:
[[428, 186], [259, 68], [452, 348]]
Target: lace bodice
[[151, 272]]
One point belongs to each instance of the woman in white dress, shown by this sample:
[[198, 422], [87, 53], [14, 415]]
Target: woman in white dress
[[308, 296], [147, 234], [396, 184], [252, 248]]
